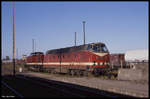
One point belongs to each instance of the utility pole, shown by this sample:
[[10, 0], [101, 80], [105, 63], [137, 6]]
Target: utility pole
[[17, 53], [13, 43], [33, 45], [75, 39], [84, 30], [121, 64]]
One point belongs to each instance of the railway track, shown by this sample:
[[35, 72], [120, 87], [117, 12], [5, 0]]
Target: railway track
[[58, 88], [49, 85], [42, 89], [67, 88], [79, 90]]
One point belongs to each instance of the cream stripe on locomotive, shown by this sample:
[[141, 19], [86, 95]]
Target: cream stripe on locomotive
[[63, 63], [67, 63], [70, 63]]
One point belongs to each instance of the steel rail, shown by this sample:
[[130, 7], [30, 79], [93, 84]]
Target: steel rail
[[17, 93]]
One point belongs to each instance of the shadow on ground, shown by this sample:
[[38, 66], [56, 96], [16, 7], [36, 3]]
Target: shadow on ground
[[101, 92]]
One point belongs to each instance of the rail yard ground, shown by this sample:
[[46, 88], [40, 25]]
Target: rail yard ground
[[34, 84]]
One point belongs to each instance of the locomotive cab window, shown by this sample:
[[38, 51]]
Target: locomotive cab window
[[99, 48]]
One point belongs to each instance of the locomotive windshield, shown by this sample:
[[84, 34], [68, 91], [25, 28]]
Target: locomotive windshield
[[36, 53], [98, 48]]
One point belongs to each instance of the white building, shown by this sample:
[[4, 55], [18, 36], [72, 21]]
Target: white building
[[136, 55]]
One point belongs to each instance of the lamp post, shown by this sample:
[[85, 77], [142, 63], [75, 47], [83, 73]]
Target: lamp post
[[84, 31], [33, 45], [13, 43], [17, 54], [75, 39]]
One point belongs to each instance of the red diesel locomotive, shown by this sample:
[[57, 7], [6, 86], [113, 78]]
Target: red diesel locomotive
[[83, 59], [35, 61]]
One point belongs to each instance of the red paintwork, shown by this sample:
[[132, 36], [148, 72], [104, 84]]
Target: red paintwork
[[81, 56], [20, 61], [35, 59]]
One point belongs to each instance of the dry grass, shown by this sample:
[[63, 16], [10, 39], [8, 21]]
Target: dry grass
[[7, 68]]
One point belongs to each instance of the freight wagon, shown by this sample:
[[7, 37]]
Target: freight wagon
[[117, 60]]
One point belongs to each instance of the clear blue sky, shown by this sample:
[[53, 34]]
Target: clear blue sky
[[121, 26]]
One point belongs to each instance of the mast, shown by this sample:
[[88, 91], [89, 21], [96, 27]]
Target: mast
[[13, 42]]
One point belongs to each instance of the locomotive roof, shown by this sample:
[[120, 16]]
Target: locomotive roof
[[71, 49], [35, 53]]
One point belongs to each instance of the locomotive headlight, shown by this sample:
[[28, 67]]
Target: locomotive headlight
[[101, 63], [105, 63]]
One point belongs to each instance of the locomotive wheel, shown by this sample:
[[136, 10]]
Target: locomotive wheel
[[81, 72], [49, 71], [69, 71], [77, 72], [53, 71], [96, 73], [41, 69], [38, 69], [85, 73], [28, 68]]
